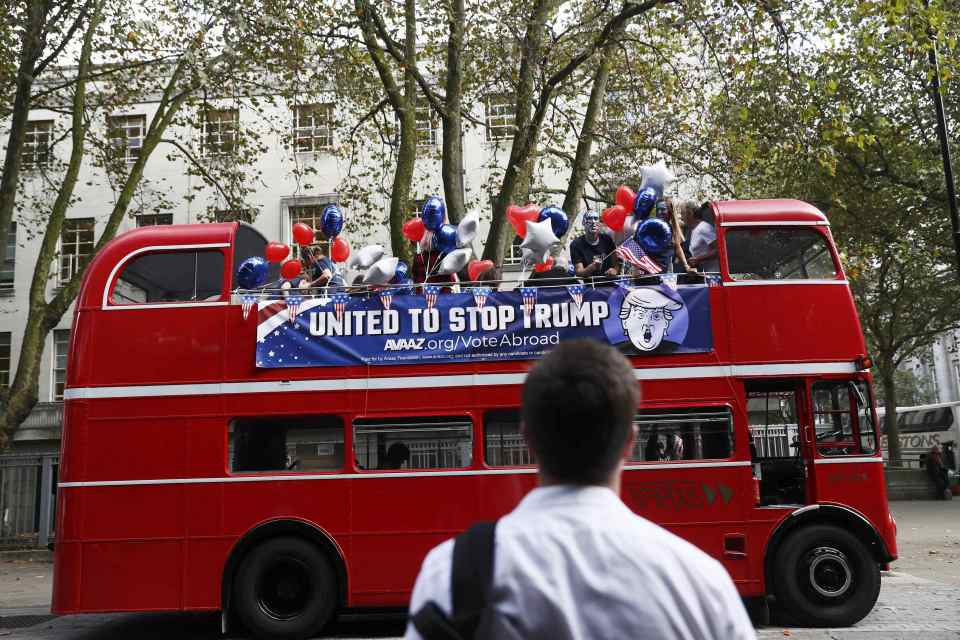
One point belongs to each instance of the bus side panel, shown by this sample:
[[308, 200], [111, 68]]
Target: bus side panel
[[860, 485], [206, 550], [135, 575]]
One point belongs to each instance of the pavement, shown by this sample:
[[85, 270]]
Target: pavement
[[920, 596]]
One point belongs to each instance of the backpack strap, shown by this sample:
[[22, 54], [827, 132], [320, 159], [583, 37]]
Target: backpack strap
[[471, 579]]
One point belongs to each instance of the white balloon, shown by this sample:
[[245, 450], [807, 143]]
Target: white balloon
[[540, 237], [657, 176], [366, 256], [455, 260], [467, 229], [381, 271]]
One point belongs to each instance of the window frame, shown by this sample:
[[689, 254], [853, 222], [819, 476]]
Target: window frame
[[6, 357], [483, 420], [854, 443], [7, 288], [320, 130], [140, 217], [691, 407], [75, 258], [494, 110], [344, 467], [37, 154], [814, 228], [107, 305], [120, 144], [54, 395], [218, 143]]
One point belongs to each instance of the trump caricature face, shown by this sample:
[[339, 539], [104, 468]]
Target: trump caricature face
[[645, 316]]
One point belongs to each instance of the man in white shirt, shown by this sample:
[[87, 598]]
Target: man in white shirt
[[703, 241], [571, 560]]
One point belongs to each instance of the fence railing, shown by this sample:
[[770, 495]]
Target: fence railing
[[28, 485]]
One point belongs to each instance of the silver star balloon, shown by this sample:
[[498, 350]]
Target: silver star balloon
[[656, 176], [454, 261], [381, 271], [540, 237], [366, 256], [467, 229]]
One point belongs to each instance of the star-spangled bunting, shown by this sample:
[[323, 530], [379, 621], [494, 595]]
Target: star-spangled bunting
[[431, 292], [340, 301], [623, 282], [576, 293], [480, 296], [713, 280], [246, 304], [293, 305], [386, 298], [669, 279], [529, 295]]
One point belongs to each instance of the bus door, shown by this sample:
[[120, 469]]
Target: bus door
[[843, 439], [779, 447]]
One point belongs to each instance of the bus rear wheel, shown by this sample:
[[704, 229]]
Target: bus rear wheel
[[284, 590], [825, 577]]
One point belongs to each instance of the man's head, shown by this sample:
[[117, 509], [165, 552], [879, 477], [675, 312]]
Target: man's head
[[578, 408], [591, 224], [645, 315]]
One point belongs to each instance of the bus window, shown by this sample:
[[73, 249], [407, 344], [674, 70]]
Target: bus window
[[432, 442], [772, 419], [170, 276], [503, 444], [837, 406], [702, 433], [765, 253], [249, 243], [286, 443]]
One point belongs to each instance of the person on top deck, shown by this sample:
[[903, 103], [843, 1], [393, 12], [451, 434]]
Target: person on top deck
[[322, 271], [592, 253]]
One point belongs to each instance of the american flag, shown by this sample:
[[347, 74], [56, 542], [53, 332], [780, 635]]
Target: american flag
[[340, 301], [293, 305], [480, 296], [576, 292], [386, 297], [631, 253], [431, 292], [529, 295], [246, 304]]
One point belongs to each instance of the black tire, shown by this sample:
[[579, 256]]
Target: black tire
[[824, 576], [285, 589]]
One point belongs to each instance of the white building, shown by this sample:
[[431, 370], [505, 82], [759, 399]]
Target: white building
[[939, 367]]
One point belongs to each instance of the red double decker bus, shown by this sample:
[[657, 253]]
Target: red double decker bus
[[283, 459]]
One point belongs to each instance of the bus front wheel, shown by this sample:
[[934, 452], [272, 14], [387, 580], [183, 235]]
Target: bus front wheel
[[284, 589], [824, 576]]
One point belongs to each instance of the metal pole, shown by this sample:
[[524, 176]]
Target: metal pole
[[944, 143], [46, 501]]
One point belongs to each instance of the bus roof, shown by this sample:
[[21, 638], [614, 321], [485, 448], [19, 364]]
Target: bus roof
[[767, 212]]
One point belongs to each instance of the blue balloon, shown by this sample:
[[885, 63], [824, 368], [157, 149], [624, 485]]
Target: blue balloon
[[402, 273], [654, 236], [405, 287], [445, 238], [252, 272], [558, 219], [643, 203], [331, 221], [434, 213]]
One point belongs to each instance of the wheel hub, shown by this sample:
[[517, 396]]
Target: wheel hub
[[283, 590], [829, 572]]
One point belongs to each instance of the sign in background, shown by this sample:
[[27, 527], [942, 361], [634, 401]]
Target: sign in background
[[462, 327]]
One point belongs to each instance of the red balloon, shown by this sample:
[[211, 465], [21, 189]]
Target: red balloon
[[546, 265], [413, 229], [518, 217], [276, 251], [302, 233], [340, 250], [476, 267], [291, 269], [614, 217], [625, 197]]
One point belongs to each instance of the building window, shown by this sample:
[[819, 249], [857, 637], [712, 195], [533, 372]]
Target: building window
[[433, 442], [126, 136], [313, 127], [503, 443], [514, 252], [4, 359], [235, 215], [286, 443], [76, 243], [501, 116], [221, 131], [8, 271], [310, 214], [36, 144], [61, 344], [700, 433], [427, 126], [154, 219]]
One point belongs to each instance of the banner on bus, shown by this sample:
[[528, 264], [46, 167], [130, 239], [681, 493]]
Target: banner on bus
[[480, 325]]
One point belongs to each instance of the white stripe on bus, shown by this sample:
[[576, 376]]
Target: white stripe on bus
[[427, 382], [856, 460], [367, 476]]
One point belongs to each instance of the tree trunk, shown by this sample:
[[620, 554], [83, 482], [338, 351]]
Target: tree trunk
[[34, 41], [451, 167], [888, 381]]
